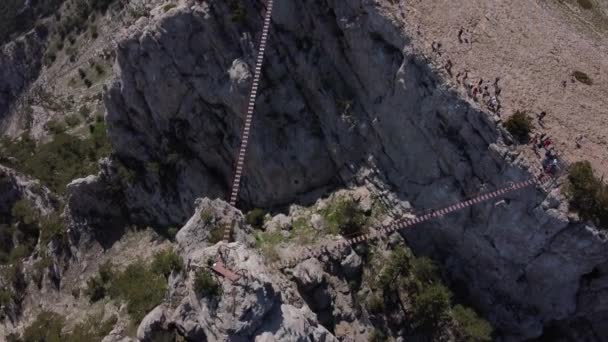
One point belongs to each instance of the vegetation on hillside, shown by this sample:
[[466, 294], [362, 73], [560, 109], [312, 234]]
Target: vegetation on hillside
[[126, 286], [402, 278], [344, 216], [27, 227], [16, 18], [57, 162], [341, 216], [587, 193], [50, 327]]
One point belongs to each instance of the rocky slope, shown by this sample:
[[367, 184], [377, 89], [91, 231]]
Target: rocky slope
[[346, 99]]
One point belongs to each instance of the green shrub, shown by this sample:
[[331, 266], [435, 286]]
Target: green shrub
[[396, 266], [375, 304], [93, 30], [18, 240], [216, 234], [255, 218], [431, 306], [424, 270], [46, 328], [99, 69], [23, 212], [582, 77], [82, 74], [140, 288], [166, 261], [39, 267], [98, 285], [172, 233], [15, 284], [520, 126], [72, 120], [343, 216], [51, 226], [50, 57], [19, 252], [585, 4], [6, 297], [469, 326], [206, 285], [206, 215], [587, 193]]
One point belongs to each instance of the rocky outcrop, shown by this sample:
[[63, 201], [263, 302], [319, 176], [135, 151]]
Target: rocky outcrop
[[207, 225], [252, 308], [345, 99], [20, 64], [15, 186]]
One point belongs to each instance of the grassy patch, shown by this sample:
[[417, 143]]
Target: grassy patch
[[49, 327], [206, 285], [140, 286], [520, 126], [267, 242], [587, 193]]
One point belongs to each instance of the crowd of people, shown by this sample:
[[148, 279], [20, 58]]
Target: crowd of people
[[487, 93]]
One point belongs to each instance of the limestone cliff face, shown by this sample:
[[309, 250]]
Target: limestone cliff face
[[346, 99]]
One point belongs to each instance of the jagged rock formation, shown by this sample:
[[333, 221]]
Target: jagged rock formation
[[20, 63], [345, 98], [253, 308]]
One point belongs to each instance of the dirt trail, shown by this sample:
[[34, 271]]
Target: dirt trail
[[534, 47]]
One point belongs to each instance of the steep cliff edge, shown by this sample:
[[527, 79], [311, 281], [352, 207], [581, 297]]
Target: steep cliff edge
[[345, 98]]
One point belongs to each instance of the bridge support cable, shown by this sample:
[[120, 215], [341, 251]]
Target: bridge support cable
[[404, 223], [240, 159]]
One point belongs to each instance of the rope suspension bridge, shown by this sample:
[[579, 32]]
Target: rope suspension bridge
[[323, 248]]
